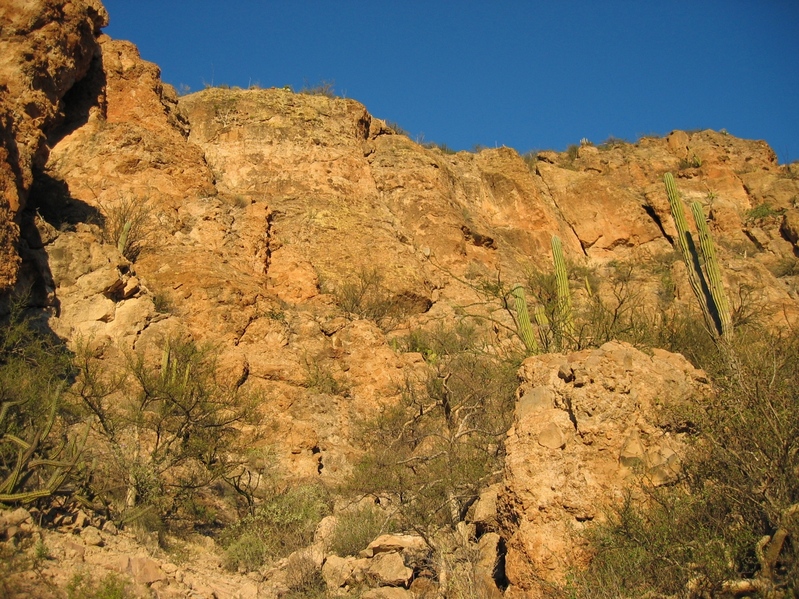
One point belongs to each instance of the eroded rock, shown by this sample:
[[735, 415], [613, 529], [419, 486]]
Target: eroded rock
[[574, 453]]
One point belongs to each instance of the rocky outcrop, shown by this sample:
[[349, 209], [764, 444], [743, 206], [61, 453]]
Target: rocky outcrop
[[47, 46], [257, 211], [588, 426]]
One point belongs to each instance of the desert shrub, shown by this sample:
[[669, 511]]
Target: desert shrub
[[357, 528], [430, 454], [36, 452], [430, 145], [323, 88], [786, 267], [129, 225], [396, 128], [366, 297], [605, 308], [17, 559], [442, 340], [530, 158], [283, 523], [761, 212], [304, 578], [320, 378], [613, 142], [162, 302], [733, 520], [166, 431], [461, 567], [692, 161], [112, 586], [572, 152]]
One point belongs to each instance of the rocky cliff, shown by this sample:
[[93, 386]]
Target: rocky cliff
[[256, 212]]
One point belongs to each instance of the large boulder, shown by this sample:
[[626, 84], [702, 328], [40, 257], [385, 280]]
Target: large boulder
[[588, 426]]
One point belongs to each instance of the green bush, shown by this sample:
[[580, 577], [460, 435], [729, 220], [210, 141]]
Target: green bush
[[36, 453], [733, 520], [320, 378], [112, 586], [366, 297], [165, 433], [430, 454], [280, 525], [761, 211], [442, 340], [357, 528], [129, 224]]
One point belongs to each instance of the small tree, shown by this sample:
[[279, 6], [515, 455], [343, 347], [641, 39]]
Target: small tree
[[166, 432], [433, 452]]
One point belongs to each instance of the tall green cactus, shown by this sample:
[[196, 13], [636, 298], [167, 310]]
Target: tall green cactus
[[706, 283], [523, 320], [561, 330], [564, 296]]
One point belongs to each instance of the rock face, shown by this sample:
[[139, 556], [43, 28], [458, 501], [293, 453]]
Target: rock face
[[587, 425], [47, 46], [258, 216]]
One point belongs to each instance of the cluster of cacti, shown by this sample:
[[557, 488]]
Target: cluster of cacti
[[704, 273], [563, 311], [40, 468]]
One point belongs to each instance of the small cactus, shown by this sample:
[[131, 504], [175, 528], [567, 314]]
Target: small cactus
[[122, 244], [37, 459], [524, 325]]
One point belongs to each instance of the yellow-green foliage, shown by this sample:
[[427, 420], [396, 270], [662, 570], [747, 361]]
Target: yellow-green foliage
[[284, 522], [35, 458], [734, 516]]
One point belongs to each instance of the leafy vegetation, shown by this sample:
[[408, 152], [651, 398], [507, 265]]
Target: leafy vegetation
[[111, 586], [365, 296], [761, 212], [282, 523], [37, 452], [428, 456], [164, 431], [129, 224], [356, 528], [731, 524]]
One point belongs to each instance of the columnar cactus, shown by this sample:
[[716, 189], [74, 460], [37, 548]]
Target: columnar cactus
[[564, 297], [523, 320], [706, 284]]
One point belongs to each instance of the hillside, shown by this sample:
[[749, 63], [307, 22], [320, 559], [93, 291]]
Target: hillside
[[313, 246]]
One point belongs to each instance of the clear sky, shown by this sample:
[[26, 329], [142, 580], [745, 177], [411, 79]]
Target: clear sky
[[525, 74]]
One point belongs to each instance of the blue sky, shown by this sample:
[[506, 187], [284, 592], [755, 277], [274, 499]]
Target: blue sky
[[525, 74]]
